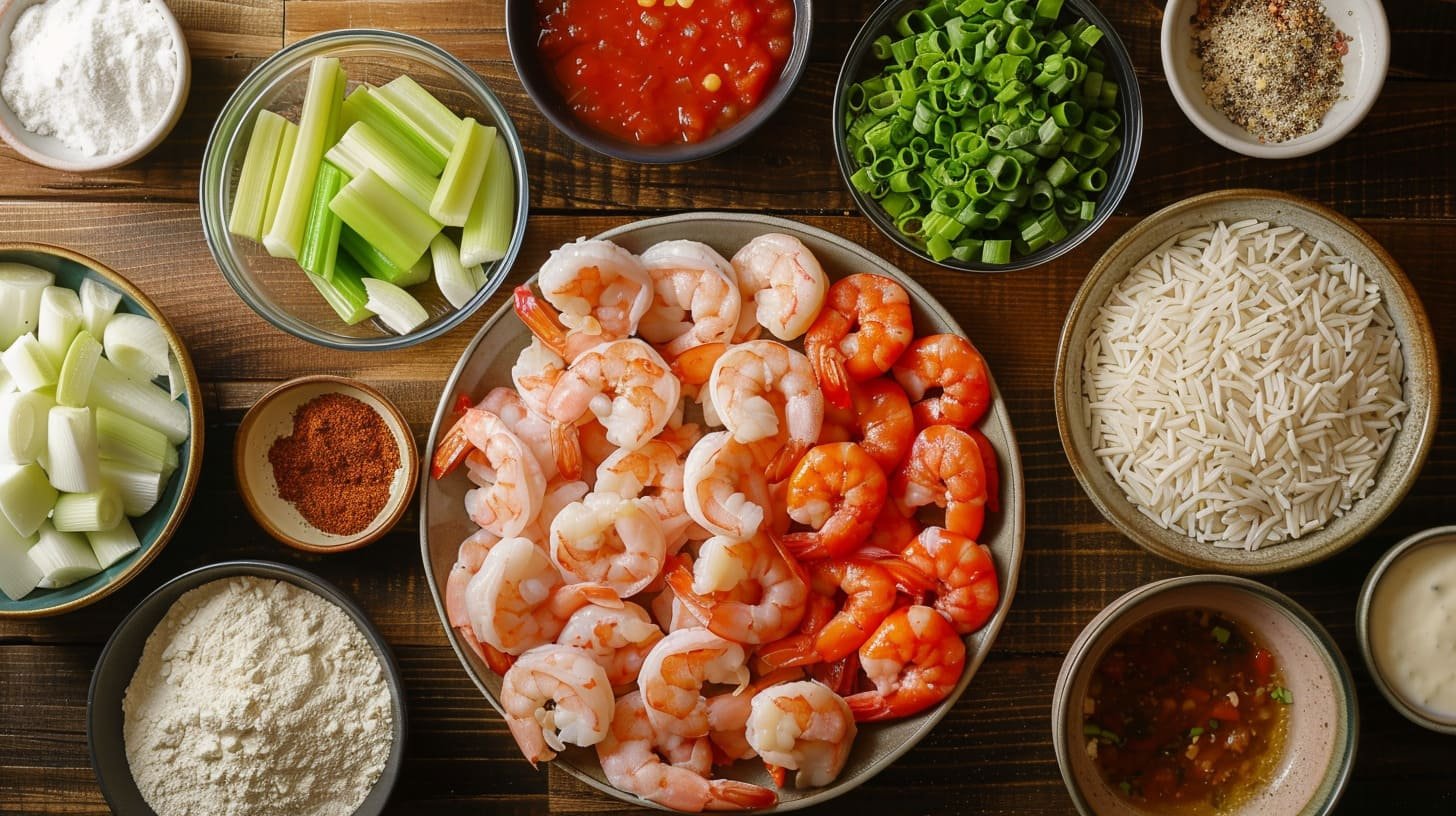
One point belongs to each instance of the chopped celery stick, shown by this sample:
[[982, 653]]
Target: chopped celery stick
[[60, 319], [364, 106], [144, 402], [463, 174], [18, 574], [280, 171], [115, 544], [375, 265], [28, 363], [122, 439], [434, 121], [23, 426], [321, 237], [64, 558], [73, 387], [21, 286], [316, 124], [399, 311], [345, 290], [362, 148], [137, 345], [71, 458], [26, 497], [487, 233], [456, 283], [398, 229], [250, 201], [98, 304], [139, 488], [88, 512]]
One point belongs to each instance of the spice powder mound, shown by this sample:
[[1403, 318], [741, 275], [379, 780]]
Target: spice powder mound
[[337, 465]]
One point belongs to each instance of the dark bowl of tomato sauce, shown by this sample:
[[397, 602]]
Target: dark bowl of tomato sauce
[[659, 82], [1203, 695]]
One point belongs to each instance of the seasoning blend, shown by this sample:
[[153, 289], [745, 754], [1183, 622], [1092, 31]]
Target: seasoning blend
[[337, 465]]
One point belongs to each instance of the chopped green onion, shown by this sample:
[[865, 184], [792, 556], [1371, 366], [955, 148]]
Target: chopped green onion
[[1195, 731], [385, 218], [250, 200], [1221, 634], [1213, 725], [316, 125], [463, 174], [1282, 695]]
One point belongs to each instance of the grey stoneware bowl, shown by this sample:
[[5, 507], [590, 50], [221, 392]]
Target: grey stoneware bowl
[[1324, 718], [860, 64], [1407, 451], [123, 651], [522, 32], [486, 363]]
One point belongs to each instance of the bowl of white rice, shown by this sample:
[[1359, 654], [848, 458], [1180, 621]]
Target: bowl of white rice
[[1246, 382]]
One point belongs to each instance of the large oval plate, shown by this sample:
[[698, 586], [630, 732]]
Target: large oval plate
[[486, 364]]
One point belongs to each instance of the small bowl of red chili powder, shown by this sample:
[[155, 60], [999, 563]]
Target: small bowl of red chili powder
[[325, 464]]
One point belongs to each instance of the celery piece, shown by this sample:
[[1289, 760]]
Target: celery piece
[[28, 364], [122, 439], [434, 121], [26, 497], [250, 200], [280, 171], [321, 237], [463, 174], [143, 402], [88, 512], [71, 459], [60, 319], [345, 290], [73, 386], [363, 148], [396, 307], [18, 574], [316, 123], [375, 265], [364, 106], [21, 287], [139, 488], [137, 345], [64, 558], [98, 304], [115, 544], [487, 233], [23, 426], [457, 283], [398, 229]]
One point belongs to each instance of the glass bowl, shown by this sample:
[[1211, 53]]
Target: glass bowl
[[276, 288]]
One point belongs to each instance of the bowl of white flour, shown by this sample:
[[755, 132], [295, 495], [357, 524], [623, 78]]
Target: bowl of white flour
[[246, 688], [88, 85]]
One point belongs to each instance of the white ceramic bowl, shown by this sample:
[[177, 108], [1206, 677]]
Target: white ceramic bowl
[[49, 151], [1365, 66]]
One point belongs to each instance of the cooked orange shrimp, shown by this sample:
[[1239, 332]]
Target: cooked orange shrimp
[[864, 328], [950, 363], [597, 292], [879, 419], [675, 671], [512, 496], [609, 540], [762, 388], [695, 297], [944, 468], [992, 468], [893, 531], [671, 613], [869, 595], [782, 285], [632, 758], [653, 472], [914, 659], [724, 488], [839, 490], [625, 384], [619, 639], [518, 599], [467, 562], [747, 591], [966, 589], [802, 726], [554, 696]]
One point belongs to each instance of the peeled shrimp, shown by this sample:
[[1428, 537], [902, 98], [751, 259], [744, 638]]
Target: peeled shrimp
[[878, 419], [747, 591], [518, 600], [619, 639], [695, 297], [625, 384], [863, 329], [950, 363], [558, 454], [724, 488], [610, 540], [761, 389], [782, 284], [535, 373], [869, 595], [553, 696], [993, 470], [675, 671], [671, 613], [653, 472], [632, 758], [599, 292], [467, 563], [802, 726], [914, 659], [944, 468], [839, 490], [515, 487], [966, 589], [893, 531], [728, 717]]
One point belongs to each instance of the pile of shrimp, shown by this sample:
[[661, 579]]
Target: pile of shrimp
[[754, 584]]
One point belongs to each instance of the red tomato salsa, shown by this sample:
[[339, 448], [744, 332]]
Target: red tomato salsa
[[1186, 712], [654, 72]]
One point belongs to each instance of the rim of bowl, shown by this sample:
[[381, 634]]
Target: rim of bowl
[[1378, 31], [1419, 333], [243, 104], [190, 470], [409, 459], [148, 143], [547, 99], [1093, 633], [1362, 626], [301, 578], [1130, 103]]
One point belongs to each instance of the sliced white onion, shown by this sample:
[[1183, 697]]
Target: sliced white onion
[[399, 311]]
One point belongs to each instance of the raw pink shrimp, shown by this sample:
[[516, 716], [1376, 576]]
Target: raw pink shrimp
[[802, 726], [944, 468], [863, 329], [599, 289], [782, 285], [914, 659], [747, 591], [762, 389], [869, 595], [511, 499], [879, 420], [675, 671], [695, 297], [653, 472], [839, 490], [619, 639], [950, 363], [610, 540], [554, 696], [724, 488], [966, 589], [625, 384], [518, 600], [728, 717]]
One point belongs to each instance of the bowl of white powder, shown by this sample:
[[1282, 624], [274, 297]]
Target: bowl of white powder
[[246, 688], [88, 85]]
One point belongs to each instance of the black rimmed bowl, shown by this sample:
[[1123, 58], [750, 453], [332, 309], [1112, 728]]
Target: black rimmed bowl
[[860, 64], [522, 32], [122, 653]]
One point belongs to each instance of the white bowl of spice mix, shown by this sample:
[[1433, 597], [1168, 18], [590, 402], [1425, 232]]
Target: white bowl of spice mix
[[89, 85], [1275, 79]]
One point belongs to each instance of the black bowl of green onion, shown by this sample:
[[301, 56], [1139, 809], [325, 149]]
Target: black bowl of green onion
[[987, 135]]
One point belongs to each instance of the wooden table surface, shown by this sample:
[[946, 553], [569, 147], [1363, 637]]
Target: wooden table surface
[[1395, 174]]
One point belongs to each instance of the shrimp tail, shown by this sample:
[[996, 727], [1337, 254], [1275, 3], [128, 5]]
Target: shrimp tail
[[841, 675], [908, 579], [694, 366], [992, 469], [541, 319], [783, 462], [812, 546], [833, 379], [788, 652], [778, 773], [566, 448], [872, 706], [498, 661], [730, 794], [452, 449]]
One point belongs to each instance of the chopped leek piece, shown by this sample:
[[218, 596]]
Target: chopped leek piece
[[345, 290], [98, 304], [383, 217], [456, 283], [88, 512], [71, 458], [60, 319], [399, 311], [23, 426], [137, 345], [463, 174], [250, 201], [73, 386], [115, 544], [487, 233], [363, 148], [21, 286], [18, 574], [321, 237], [280, 171], [144, 402], [362, 105], [123, 439], [434, 121], [170, 462], [176, 383], [26, 497], [64, 558], [316, 123], [28, 363], [139, 488], [7, 382], [375, 265]]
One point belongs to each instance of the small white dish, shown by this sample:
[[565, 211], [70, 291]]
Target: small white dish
[[1365, 66], [48, 151]]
